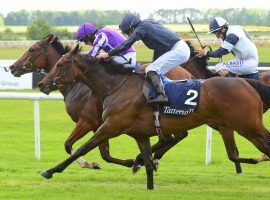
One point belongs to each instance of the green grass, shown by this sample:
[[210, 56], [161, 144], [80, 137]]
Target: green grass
[[182, 173]]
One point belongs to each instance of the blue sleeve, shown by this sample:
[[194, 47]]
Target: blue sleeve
[[232, 39], [218, 53], [126, 44]]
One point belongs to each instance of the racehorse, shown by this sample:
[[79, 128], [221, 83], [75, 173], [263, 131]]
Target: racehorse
[[124, 101], [82, 105], [197, 66], [45, 53]]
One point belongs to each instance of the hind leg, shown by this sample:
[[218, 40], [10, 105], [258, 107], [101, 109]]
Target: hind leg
[[80, 130], [231, 148], [261, 139]]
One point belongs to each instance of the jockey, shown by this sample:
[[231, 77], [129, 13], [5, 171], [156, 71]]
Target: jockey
[[105, 39], [169, 49], [235, 40]]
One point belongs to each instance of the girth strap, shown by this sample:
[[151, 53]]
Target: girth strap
[[157, 123]]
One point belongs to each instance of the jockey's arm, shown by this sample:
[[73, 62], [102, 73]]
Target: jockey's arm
[[126, 44], [218, 53]]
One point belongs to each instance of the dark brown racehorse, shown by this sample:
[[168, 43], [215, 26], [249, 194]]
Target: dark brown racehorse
[[82, 105], [125, 108]]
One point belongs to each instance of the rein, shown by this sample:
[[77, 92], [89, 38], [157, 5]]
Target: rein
[[191, 59]]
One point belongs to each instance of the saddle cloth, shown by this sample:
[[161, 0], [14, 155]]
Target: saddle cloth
[[183, 95]]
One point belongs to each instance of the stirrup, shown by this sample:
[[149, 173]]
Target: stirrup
[[161, 99]]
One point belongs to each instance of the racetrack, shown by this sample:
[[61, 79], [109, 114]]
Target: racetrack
[[182, 173]]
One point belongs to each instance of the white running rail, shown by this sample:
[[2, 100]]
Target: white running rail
[[36, 97]]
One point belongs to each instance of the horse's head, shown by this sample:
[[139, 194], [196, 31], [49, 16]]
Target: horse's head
[[33, 58], [40, 56], [69, 68]]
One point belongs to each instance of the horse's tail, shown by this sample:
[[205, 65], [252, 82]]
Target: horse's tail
[[262, 89]]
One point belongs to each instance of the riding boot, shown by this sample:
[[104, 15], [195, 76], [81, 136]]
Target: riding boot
[[161, 97]]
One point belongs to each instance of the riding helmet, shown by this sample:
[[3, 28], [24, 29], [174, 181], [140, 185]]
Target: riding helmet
[[128, 22], [216, 24], [84, 30]]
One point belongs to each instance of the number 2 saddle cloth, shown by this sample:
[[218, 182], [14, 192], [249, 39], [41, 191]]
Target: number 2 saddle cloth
[[183, 95]]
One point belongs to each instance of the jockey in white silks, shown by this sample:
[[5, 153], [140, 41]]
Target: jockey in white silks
[[237, 41]]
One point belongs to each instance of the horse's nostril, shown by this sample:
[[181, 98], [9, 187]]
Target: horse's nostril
[[11, 67]]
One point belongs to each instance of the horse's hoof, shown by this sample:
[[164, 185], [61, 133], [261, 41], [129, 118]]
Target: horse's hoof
[[155, 164], [263, 158], [46, 175], [96, 165], [136, 168]]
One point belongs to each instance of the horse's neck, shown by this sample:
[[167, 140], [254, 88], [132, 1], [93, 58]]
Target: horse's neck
[[198, 71], [53, 57], [102, 83]]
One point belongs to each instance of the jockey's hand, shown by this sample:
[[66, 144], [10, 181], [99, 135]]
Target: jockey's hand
[[102, 55], [201, 53]]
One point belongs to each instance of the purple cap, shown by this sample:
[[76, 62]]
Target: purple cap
[[84, 30]]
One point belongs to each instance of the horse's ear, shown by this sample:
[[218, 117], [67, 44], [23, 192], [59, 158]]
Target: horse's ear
[[47, 39], [75, 50]]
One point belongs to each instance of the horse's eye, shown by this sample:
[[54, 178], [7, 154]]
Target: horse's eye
[[59, 65], [31, 50]]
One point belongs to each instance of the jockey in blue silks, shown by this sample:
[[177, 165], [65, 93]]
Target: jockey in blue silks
[[169, 49], [235, 40], [105, 39]]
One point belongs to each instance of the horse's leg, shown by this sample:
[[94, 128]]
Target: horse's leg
[[177, 138], [160, 148], [145, 148], [102, 134], [80, 130], [261, 139], [139, 159], [231, 148], [104, 149], [232, 151]]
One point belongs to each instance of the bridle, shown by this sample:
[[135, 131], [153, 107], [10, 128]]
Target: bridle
[[28, 65], [58, 81]]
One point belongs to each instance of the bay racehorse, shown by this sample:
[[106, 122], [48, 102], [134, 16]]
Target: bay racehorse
[[197, 67], [82, 105], [44, 54], [125, 107]]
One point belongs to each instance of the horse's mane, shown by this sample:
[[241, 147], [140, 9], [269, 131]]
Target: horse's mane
[[59, 47], [110, 66]]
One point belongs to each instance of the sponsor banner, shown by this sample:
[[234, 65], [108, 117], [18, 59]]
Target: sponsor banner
[[8, 81]]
